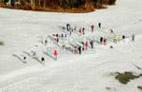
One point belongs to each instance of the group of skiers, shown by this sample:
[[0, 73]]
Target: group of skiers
[[77, 47], [58, 37], [84, 44]]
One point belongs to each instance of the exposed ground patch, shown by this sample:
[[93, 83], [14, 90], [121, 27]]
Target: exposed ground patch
[[126, 77]]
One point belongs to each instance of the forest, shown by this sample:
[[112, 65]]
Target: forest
[[57, 5]]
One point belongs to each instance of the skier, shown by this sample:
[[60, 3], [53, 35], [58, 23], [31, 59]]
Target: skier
[[101, 40], [111, 31], [62, 35], [133, 37], [79, 50], [99, 24], [68, 27], [42, 59], [80, 31], [83, 32], [45, 42], [123, 37], [86, 45], [24, 58], [57, 35], [104, 41], [65, 35], [55, 53], [57, 39], [83, 46], [92, 44], [83, 29], [92, 28]]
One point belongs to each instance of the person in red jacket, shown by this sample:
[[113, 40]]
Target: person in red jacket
[[55, 54], [80, 32], [86, 45]]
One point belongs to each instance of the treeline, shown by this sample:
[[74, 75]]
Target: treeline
[[58, 5], [78, 3]]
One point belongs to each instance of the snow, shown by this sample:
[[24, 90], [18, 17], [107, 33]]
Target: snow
[[89, 72]]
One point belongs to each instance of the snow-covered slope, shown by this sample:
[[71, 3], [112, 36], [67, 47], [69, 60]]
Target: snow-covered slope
[[20, 31]]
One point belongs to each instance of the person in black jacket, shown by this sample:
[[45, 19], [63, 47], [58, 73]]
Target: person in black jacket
[[101, 40], [92, 44], [79, 50], [42, 60], [68, 27], [92, 28], [123, 36], [99, 24]]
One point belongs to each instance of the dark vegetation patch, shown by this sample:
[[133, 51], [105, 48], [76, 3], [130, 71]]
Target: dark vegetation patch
[[126, 77], [139, 87], [57, 5], [108, 88], [1, 43]]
